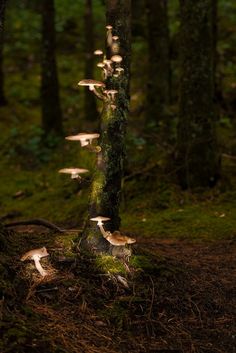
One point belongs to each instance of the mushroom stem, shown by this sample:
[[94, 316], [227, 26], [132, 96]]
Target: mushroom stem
[[38, 265], [104, 233], [98, 94]]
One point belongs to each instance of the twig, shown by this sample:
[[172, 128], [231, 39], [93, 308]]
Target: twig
[[152, 300], [40, 222]]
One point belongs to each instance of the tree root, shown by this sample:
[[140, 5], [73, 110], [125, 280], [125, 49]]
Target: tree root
[[40, 222]]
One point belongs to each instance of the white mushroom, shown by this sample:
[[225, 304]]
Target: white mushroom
[[117, 239], [85, 139], [36, 255], [111, 93], [74, 172], [119, 70], [116, 59], [98, 52], [92, 84], [100, 221], [109, 35]]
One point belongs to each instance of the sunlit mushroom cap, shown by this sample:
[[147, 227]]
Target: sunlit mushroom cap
[[115, 37], [118, 239], [109, 27], [119, 69], [90, 82], [74, 172], [116, 58], [98, 52], [100, 219], [100, 64], [82, 136]]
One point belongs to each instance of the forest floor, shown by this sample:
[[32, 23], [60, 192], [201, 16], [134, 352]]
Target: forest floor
[[180, 298]]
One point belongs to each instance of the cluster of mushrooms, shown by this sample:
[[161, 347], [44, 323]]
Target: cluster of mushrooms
[[110, 67]]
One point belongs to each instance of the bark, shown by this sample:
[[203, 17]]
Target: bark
[[3, 100], [197, 150], [106, 188], [50, 100], [90, 105], [158, 88]]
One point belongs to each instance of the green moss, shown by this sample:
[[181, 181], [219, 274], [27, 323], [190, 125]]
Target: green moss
[[109, 264]]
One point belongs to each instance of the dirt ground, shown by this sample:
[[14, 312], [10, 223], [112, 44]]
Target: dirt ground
[[184, 303]]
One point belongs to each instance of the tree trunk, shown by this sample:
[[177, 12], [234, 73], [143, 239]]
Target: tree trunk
[[90, 106], [3, 100], [51, 111], [158, 89], [197, 151], [106, 188]]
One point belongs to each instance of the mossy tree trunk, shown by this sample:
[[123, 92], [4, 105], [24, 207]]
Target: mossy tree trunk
[[158, 86], [90, 105], [50, 100], [106, 188], [197, 152], [3, 100]]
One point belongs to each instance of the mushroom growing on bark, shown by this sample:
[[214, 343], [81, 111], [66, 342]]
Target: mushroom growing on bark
[[74, 172], [92, 84], [100, 221], [85, 139], [98, 52], [36, 255], [117, 239], [109, 35]]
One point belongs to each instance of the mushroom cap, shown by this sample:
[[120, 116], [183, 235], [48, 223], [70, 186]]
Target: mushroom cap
[[100, 64], [73, 170], [100, 218], [89, 82], [109, 27], [116, 58], [110, 91], [98, 52], [82, 136], [35, 253], [115, 37], [119, 69], [116, 238]]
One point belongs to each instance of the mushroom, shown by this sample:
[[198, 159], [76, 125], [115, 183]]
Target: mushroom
[[85, 139], [92, 84], [109, 35], [119, 70], [98, 52], [111, 93], [116, 59], [115, 45], [100, 220], [36, 255], [117, 239], [101, 65], [108, 63], [75, 172]]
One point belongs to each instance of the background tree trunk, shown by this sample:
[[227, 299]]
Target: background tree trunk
[[197, 151], [51, 111], [3, 100], [158, 89], [106, 188], [90, 106]]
